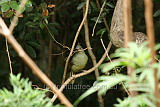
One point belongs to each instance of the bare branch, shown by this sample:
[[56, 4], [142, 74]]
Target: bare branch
[[127, 21], [15, 18], [151, 38], [115, 68], [93, 57], [9, 58], [35, 69], [104, 18], [99, 17], [74, 42], [128, 32]]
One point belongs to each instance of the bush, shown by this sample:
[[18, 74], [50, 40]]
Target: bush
[[23, 95], [137, 57]]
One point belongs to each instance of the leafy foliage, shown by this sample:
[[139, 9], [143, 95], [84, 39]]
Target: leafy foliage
[[11, 6], [137, 57], [44, 20], [23, 95]]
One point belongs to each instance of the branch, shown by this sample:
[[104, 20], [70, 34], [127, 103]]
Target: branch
[[127, 21], [93, 57], [115, 68], [74, 42], [9, 58], [128, 33], [15, 18], [151, 38], [104, 18], [101, 10], [35, 69], [13, 23]]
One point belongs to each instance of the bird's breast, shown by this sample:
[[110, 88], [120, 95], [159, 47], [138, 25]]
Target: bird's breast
[[79, 61]]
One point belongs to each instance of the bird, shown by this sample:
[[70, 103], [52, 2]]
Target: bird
[[79, 59]]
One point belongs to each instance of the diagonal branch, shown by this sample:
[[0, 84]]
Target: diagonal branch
[[104, 18], [101, 10], [35, 69], [74, 42], [18, 12]]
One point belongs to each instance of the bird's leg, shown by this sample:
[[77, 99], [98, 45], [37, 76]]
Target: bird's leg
[[71, 74]]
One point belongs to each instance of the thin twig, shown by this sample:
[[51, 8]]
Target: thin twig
[[83, 73], [104, 18], [62, 45], [107, 27], [59, 53], [9, 58], [115, 68], [50, 48], [93, 57], [43, 89], [12, 25], [151, 38], [74, 42], [99, 16], [35, 69]]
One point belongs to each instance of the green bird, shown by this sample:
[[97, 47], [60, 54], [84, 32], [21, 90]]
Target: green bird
[[79, 60]]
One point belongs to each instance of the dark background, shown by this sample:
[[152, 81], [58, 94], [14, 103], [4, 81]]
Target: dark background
[[34, 37]]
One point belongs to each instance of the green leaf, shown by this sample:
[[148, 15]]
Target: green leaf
[[35, 44], [23, 95], [14, 5], [43, 5], [5, 7], [94, 6], [142, 100], [42, 25], [30, 51], [101, 32], [46, 21], [59, 105], [103, 86], [29, 3], [53, 30], [95, 19], [80, 6], [51, 13], [28, 36], [9, 13], [110, 5], [87, 93], [157, 13], [32, 24], [109, 66], [3, 2]]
